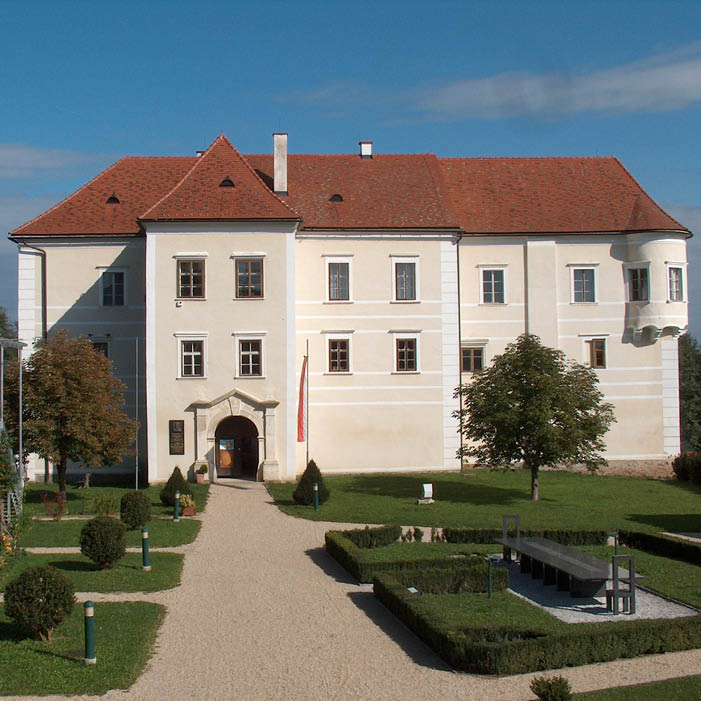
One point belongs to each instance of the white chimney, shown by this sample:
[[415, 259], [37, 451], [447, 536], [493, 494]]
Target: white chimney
[[280, 164], [365, 149]]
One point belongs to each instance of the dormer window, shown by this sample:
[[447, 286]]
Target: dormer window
[[112, 199], [336, 198], [227, 182]]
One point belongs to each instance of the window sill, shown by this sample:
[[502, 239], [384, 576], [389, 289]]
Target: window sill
[[249, 377], [676, 301], [245, 299], [405, 301], [193, 377], [406, 372], [493, 304], [338, 301], [190, 299], [340, 372], [584, 304]]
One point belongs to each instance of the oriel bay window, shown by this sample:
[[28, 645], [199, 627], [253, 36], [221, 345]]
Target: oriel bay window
[[249, 277], [638, 285], [676, 283], [191, 279]]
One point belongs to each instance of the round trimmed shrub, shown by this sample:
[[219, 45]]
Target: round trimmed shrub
[[552, 689], [135, 509], [39, 599], [176, 483], [102, 540], [304, 492]]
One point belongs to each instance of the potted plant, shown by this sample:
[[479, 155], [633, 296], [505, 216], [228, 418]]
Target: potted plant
[[201, 474], [187, 505]]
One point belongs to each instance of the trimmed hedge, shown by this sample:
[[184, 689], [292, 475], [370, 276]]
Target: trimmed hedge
[[491, 535], [503, 650], [674, 548], [451, 576], [374, 537], [687, 467]]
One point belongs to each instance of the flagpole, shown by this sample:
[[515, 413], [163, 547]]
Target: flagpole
[[306, 408]]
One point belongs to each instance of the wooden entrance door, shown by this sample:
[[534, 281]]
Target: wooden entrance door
[[236, 448]]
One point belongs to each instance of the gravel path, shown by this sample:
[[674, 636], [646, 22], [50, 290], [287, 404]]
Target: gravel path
[[264, 613]]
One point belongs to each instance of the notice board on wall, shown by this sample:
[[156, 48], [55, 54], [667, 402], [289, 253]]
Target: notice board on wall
[[176, 436]]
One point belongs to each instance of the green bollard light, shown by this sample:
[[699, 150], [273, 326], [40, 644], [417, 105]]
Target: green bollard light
[[316, 496], [90, 658], [176, 508], [145, 554]]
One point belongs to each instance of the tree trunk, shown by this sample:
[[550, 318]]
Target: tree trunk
[[61, 469], [534, 483]]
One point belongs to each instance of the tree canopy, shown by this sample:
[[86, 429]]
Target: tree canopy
[[72, 406], [535, 407], [7, 328], [690, 392]]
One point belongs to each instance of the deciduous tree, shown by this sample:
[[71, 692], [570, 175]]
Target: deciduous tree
[[72, 406], [535, 407], [690, 392]]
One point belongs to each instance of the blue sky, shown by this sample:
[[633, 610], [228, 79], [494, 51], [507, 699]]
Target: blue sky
[[84, 83]]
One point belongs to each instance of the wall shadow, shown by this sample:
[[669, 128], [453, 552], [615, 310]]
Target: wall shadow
[[678, 523], [329, 566]]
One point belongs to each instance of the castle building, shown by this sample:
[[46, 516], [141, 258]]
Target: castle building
[[205, 278]]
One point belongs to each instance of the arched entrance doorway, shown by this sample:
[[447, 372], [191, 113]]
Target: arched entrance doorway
[[236, 448]]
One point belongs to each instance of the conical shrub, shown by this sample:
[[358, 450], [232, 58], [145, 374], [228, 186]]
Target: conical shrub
[[304, 492], [176, 483]]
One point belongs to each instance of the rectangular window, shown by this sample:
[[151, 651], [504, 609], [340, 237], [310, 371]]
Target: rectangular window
[[112, 289], [191, 279], [250, 356], [638, 281], [597, 352], [676, 284], [101, 347], [192, 358], [339, 287], [472, 359], [493, 290], [339, 355], [583, 285], [405, 281], [249, 277], [406, 355]]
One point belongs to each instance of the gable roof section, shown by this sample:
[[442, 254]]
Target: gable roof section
[[382, 192], [550, 195], [137, 182], [199, 194]]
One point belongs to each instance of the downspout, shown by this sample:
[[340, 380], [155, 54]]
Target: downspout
[[457, 249], [42, 253]]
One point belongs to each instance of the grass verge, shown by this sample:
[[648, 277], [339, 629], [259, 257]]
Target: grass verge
[[681, 688], [126, 576], [66, 534], [479, 498], [124, 636]]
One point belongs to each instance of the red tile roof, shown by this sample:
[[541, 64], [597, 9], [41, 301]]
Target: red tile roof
[[479, 195], [199, 195], [382, 192], [550, 195]]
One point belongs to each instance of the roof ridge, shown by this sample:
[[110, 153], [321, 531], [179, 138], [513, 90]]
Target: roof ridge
[[643, 192], [525, 158], [14, 232]]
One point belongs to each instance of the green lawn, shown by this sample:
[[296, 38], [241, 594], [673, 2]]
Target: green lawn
[[681, 689], [479, 498], [126, 576], [124, 637], [57, 534], [425, 551], [82, 501]]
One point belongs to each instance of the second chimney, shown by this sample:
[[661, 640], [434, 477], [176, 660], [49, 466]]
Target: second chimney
[[280, 164], [365, 149]]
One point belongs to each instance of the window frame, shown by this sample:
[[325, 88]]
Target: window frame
[[244, 337], [190, 258], [335, 260], [102, 342], [339, 336], [493, 269], [405, 260], [482, 348], [109, 270], [398, 336], [249, 259], [588, 350], [631, 270], [183, 338], [670, 265], [574, 268]]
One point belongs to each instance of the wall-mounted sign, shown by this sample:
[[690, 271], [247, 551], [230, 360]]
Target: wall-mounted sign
[[176, 436]]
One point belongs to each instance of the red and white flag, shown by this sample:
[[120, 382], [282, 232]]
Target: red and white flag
[[302, 408]]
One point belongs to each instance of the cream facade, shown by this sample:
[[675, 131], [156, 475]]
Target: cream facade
[[207, 320]]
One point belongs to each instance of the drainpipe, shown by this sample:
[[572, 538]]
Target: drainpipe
[[457, 249], [42, 253]]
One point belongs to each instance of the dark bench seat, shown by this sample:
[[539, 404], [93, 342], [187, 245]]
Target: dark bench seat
[[570, 570]]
